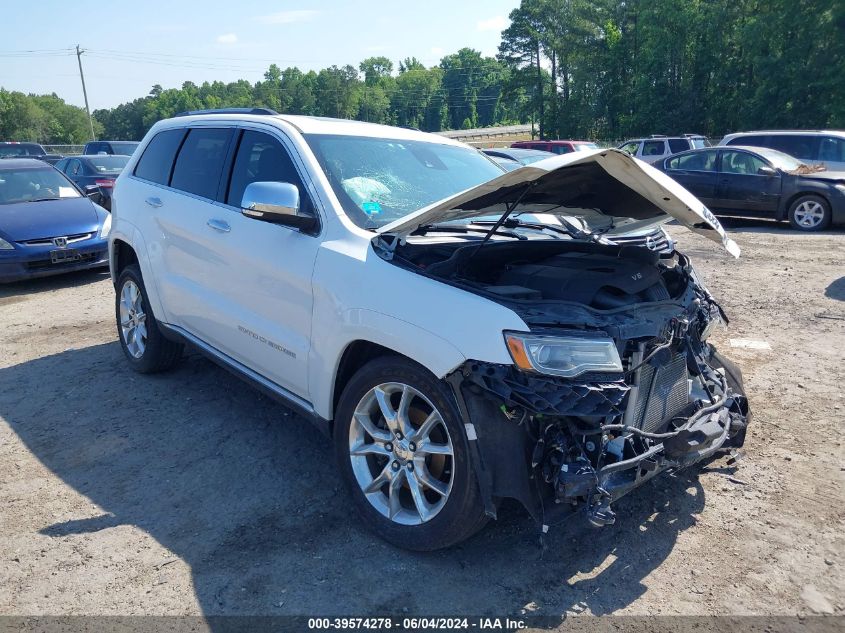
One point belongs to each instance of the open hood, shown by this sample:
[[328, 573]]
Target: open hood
[[606, 189]]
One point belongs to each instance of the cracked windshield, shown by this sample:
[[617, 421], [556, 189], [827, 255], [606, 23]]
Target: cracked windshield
[[381, 180]]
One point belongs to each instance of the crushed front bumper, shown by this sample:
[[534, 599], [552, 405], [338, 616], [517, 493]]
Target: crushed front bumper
[[563, 445]]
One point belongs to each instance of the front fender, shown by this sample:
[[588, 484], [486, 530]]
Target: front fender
[[428, 349]]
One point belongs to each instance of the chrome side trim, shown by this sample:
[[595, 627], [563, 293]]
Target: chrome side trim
[[242, 370]]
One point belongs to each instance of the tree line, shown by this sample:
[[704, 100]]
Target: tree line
[[597, 69]]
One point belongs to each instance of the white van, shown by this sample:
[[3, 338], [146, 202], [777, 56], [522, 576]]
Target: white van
[[812, 147]]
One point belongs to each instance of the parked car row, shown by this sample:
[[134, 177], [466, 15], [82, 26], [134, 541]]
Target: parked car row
[[794, 175], [54, 210], [738, 180], [48, 225], [94, 173], [15, 149]]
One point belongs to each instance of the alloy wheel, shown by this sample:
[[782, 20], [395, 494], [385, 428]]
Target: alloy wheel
[[809, 214], [401, 453], [133, 320]]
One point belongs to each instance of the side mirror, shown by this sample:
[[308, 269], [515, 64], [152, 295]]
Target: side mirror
[[765, 170], [276, 202]]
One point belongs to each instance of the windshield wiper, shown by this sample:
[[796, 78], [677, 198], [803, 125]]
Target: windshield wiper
[[43, 199], [513, 223], [461, 228]]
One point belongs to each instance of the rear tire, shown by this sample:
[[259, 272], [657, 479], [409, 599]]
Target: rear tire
[[398, 436], [809, 213], [143, 344]]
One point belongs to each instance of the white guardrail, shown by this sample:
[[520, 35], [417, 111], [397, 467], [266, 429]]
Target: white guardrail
[[487, 132], [64, 150]]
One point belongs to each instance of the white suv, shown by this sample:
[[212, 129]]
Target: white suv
[[657, 147], [381, 281]]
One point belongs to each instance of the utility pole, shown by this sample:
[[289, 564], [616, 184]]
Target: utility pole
[[85, 92]]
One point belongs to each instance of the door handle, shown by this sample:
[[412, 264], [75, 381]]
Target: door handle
[[219, 225], [154, 202]]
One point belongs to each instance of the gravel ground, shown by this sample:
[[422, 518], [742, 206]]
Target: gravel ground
[[191, 493]]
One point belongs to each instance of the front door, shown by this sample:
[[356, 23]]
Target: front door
[[265, 268], [742, 185]]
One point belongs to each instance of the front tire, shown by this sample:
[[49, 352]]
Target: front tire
[[809, 213], [143, 344], [401, 449]]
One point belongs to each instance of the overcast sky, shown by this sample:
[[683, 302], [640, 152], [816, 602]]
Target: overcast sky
[[133, 44]]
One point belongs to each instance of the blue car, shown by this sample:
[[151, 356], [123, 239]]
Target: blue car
[[47, 225]]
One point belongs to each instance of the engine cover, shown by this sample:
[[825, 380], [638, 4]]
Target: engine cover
[[599, 281]]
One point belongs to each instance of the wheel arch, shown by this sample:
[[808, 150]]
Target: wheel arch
[[122, 256], [357, 354], [373, 335], [783, 212]]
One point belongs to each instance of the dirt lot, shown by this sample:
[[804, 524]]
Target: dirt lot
[[190, 493]]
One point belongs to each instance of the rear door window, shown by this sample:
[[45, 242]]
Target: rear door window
[[157, 162], [678, 145], [200, 162], [796, 145], [753, 140]]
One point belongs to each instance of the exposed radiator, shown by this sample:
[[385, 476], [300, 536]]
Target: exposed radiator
[[663, 392]]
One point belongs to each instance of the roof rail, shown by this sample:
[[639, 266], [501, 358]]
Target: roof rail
[[228, 111], [692, 134], [657, 136]]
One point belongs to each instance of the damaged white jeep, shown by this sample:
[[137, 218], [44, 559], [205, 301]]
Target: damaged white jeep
[[464, 335]]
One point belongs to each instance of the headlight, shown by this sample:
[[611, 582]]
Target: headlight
[[567, 356], [5, 246], [104, 231]]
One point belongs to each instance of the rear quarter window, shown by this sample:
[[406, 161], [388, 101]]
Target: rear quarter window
[[157, 161]]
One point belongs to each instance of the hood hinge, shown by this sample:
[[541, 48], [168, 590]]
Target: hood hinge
[[385, 245]]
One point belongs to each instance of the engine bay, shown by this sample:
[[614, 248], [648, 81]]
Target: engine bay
[[598, 276]]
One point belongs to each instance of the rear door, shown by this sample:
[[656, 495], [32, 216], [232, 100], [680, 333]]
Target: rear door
[[194, 296], [696, 171], [741, 185]]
